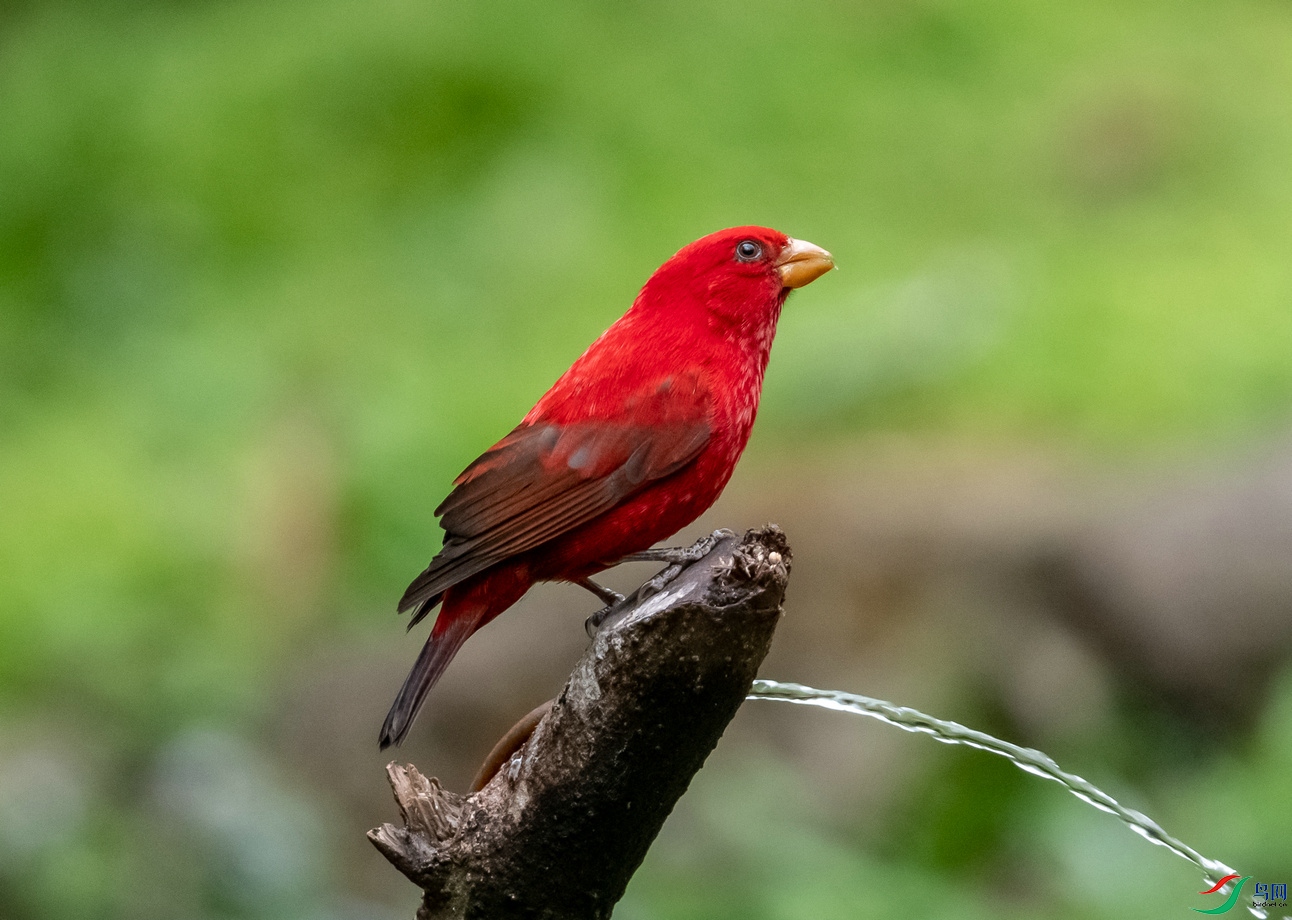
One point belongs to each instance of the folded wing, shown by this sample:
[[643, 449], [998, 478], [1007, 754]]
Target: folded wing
[[545, 479]]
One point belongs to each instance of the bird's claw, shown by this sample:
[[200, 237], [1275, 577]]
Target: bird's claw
[[659, 582], [648, 589], [681, 555], [676, 558], [593, 623]]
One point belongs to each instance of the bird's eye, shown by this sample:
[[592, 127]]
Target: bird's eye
[[748, 251]]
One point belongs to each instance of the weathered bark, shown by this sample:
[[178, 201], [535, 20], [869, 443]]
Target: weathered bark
[[561, 828]]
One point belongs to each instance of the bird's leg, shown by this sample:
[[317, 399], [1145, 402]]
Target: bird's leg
[[610, 598], [680, 555], [677, 557], [604, 594], [593, 623]]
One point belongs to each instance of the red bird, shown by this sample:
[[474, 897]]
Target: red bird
[[634, 442]]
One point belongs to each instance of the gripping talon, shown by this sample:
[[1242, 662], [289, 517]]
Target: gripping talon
[[675, 559], [681, 555], [612, 600], [658, 583], [593, 623]]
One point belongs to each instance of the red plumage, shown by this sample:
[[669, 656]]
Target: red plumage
[[631, 444]]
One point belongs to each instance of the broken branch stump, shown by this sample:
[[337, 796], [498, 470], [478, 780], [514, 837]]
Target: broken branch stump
[[561, 828]]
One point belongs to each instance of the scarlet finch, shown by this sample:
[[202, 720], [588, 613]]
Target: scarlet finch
[[633, 443]]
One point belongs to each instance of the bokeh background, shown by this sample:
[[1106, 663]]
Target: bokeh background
[[272, 273]]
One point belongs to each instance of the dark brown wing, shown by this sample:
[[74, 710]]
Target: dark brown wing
[[541, 481]]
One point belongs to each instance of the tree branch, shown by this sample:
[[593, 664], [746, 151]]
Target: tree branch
[[562, 826]]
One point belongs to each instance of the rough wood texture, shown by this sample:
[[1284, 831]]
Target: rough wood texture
[[561, 828]]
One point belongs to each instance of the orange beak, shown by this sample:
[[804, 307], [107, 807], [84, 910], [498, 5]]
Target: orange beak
[[802, 263]]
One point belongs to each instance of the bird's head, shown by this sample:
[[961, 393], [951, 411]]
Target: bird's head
[[741, 275]]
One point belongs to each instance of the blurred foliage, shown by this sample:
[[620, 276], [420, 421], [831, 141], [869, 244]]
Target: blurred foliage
[[271, 273]]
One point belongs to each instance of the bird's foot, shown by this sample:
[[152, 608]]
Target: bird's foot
[[677, 558], [660, 581], [612, 599], [593, 623], [680, 555], [604, 594], [648, 589]]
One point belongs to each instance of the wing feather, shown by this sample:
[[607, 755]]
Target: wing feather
[[543, 480]]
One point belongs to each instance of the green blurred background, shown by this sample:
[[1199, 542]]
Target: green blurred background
[[272, 273]]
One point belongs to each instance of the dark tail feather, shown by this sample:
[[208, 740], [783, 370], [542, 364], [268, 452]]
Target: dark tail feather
[[452, 628]]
